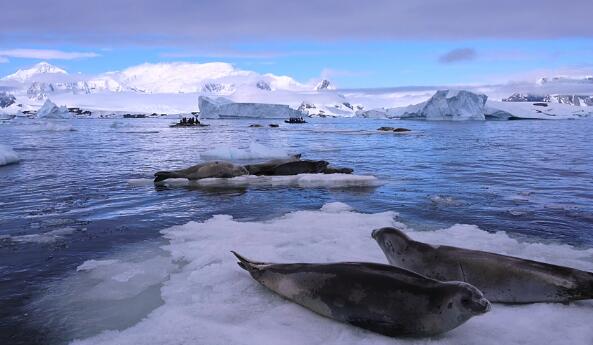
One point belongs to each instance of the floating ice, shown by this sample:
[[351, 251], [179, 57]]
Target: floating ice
[[444, 200], [44, 237], [254, 151], [210, 300], [7, 155], [301, 180]]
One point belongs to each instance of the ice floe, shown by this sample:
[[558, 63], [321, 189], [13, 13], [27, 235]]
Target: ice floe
[[7, 155], [205, 298], [301, 180]]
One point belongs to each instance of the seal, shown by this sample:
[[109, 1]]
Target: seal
[[381, 298], [265, 167], [502, 278], [298, 167], [203, 170]]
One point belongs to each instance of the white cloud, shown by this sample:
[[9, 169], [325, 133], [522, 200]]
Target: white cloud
[[46, 54]]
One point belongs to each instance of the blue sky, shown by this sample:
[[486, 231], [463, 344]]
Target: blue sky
[[354, 44]]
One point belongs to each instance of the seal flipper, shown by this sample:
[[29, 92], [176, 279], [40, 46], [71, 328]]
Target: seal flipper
[[162, 175], [246, 264]]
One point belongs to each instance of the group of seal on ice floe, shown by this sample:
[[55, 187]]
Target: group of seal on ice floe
[[276, 167], [427, 290]]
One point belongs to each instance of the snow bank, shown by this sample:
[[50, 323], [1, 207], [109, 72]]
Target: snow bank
[[254, 151], [208, 299], [7, 155], [223, 108], [301, 180]]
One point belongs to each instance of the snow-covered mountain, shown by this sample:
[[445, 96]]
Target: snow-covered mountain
[[177, 77], [30, 74], [577, 100], [565, 80]]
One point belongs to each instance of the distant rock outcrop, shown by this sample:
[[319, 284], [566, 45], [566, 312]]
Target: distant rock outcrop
[[323, 85], [263, 85]]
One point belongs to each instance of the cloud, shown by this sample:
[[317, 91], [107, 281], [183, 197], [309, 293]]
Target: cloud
[[45, 54], [457, 55], [238, 54], [192, 23]]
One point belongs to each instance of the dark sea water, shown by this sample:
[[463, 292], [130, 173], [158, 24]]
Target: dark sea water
[[69, 199]]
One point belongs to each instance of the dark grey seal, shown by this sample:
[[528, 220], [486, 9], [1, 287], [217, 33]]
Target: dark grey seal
[[203, 170], [266, 167], [381, 298], [298, 167], [502, 278]]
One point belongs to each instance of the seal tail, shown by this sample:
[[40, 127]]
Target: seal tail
[[246, 264]]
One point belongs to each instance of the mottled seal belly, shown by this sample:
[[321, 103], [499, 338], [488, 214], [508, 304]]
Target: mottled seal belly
[[501, 278], [381, 298]]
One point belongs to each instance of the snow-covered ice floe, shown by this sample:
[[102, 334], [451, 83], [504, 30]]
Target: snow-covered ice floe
[[254, 151], [7, 155], [205, 298], [301, 180]]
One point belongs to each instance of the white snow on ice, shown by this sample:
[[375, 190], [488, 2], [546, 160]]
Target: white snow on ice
[[208, 299], [7, 155], [301, 180]]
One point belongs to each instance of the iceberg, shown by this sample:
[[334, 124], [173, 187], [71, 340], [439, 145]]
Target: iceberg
[[449, 105], [443, 105], [223, 108], [51, 111], [7, 155]]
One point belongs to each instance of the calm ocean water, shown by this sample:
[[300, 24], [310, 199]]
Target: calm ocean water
[[69, 199]]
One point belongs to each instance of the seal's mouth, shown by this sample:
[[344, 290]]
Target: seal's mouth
[[375, 233], [482, 306]]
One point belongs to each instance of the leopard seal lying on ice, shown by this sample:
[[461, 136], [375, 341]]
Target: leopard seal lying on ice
[[381, 298], [501, 278], [203, 170]]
